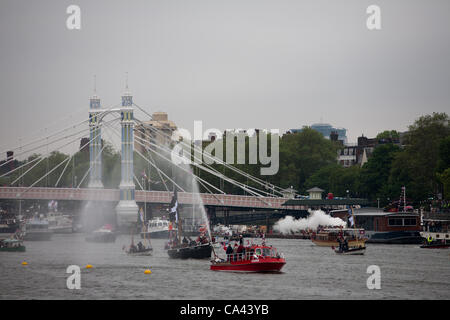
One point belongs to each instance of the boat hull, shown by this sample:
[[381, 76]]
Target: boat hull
[[146, 252], [62, 230], [352, 252], [267, 265], [436, 246], [38, 236], [16, 249], [395, 237], [163, 234], [101, 238], [332, 243], [192, 252]]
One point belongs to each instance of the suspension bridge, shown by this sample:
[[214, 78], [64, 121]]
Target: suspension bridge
[[260, 195]]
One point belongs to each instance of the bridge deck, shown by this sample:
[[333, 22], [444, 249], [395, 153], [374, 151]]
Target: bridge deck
[[84, 194]]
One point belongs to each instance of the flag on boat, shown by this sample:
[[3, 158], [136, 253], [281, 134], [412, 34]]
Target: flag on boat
[[352, 223], [173, 207]]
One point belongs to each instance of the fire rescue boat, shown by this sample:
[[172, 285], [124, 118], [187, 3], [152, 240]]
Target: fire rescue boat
[[254, 258]]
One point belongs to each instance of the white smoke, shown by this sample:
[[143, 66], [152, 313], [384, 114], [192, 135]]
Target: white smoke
[[288, 224]]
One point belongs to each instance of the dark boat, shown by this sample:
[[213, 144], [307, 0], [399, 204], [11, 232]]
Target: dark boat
[[198, 251], [176, 249], [396, 224], [386, 227]]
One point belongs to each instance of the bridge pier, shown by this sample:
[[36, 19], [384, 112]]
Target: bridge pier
[[226, 217], [127, 209], [211, 212], [95, 145]]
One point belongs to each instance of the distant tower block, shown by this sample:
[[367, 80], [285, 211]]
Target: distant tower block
[[127, 209], [95, 158]]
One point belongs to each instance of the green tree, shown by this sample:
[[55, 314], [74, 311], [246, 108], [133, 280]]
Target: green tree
[[417, 166], [375, 172], [444, 178], [337, 180], [388, 135]]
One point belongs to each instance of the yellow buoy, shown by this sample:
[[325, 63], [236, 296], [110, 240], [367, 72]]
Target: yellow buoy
[[24, 263], [147, 271], [88, 266]]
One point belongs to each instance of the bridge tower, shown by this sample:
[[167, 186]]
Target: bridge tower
[[127, 209], [95, 159]]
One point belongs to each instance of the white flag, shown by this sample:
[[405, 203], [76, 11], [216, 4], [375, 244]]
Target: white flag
[[352, 223]]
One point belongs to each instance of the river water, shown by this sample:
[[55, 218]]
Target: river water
[[311, 272]]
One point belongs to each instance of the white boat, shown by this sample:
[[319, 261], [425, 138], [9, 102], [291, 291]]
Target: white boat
[[104, 234], [37, 229], [59, 223], [156, 229], [352, 251]]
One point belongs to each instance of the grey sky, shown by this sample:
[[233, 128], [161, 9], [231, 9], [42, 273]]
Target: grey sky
[[230, 63]]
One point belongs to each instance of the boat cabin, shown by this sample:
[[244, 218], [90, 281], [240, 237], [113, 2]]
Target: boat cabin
[[332, 234], [373, 219], [254, 252], [158, 224]]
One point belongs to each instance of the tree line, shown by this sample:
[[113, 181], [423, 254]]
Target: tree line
[[306, 159]]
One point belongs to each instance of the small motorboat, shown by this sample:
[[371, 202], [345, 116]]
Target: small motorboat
[[12, 245], [254, 258], [441, 245], [104, 234], [351, 251], [435, 240], [139, 249]]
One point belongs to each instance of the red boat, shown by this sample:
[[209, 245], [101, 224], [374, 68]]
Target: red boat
[[254, 258]]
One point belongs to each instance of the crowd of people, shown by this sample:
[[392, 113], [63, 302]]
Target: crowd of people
[[188, 242]]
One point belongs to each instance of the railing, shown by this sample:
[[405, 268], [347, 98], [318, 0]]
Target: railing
[[248, 256]]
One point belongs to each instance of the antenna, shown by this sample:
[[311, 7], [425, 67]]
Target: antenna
[[95, 84], [126, 81]]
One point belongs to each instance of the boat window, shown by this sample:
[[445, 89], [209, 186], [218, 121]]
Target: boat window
[[258, 252], [395, 222], [266, 252], [410, 222]]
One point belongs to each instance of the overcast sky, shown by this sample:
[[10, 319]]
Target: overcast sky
[[230, 63]]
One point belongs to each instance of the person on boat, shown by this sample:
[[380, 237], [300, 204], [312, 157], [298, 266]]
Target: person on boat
[[345, 245], [241, 240], [340, 243], [140, 246], [185, 240], [133, 248], [229, 252], [240, 250]]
